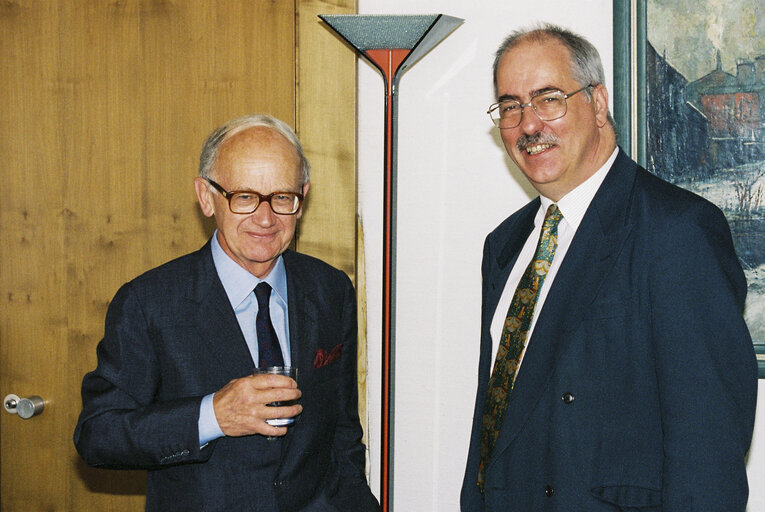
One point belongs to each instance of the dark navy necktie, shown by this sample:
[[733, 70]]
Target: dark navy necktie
[[269, 352]]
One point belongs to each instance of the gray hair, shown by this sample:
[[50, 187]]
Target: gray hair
[[586, 67], [212, 144]]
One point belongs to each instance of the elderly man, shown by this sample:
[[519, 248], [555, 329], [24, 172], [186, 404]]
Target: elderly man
[[616, 371], [175, 392]]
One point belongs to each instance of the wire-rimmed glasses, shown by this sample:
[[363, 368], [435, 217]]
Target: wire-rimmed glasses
[[548, 106]]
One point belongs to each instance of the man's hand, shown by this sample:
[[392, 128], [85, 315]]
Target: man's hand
[[240, 406]]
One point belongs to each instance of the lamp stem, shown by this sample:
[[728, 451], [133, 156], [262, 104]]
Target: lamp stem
[[388, 62]]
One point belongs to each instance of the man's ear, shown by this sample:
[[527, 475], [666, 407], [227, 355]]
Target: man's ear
[[600, 100], [305, 194], [204, 196]]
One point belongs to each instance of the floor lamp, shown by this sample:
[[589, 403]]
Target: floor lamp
[[391, 43]]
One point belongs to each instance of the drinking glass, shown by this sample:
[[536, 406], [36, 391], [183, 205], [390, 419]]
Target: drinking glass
[[288, 371]]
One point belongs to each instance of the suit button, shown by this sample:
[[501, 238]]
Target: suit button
[[567, 398], [549, 491]]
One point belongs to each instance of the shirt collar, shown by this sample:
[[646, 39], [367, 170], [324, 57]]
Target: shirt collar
[[239, 283], [574, 205]]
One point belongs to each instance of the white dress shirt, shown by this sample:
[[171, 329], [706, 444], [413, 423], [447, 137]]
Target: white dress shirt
[[573, 206]]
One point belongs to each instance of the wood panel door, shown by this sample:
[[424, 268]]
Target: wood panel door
[[104, 106]]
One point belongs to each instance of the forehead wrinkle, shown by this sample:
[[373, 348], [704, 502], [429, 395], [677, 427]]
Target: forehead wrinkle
[[277, 184]]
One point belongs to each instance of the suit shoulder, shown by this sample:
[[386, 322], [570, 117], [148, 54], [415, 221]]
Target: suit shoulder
[[181, 264], [671, 201], [668, 217], [662, 190], [517, 220], [173, 275], [319, 269]]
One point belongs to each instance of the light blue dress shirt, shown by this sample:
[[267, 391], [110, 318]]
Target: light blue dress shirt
[[239, 285]]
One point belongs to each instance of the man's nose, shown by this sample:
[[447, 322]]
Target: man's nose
[[530, 122], [263, 214]]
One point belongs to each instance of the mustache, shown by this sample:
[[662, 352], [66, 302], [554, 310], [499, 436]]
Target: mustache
[[525, 141]]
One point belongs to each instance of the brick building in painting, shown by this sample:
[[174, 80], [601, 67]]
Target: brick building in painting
[[715, 122], [734, 109]]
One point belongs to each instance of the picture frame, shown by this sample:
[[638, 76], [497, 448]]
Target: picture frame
[[710, 111]]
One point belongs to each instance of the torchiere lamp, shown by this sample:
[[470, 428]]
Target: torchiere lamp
[[392, 43]]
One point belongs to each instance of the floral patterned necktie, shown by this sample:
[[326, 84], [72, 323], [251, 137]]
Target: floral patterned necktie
[[513, 340]]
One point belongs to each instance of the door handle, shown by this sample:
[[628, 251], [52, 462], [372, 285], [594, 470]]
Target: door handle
[[24, 407]]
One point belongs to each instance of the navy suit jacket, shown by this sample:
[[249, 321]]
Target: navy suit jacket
[[171, 338], [638, 387]]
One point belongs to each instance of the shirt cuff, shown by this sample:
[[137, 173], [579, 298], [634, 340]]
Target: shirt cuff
[[208, 423]]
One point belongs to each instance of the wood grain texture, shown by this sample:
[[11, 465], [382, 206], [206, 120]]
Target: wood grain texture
[[326, 124], [104, 108], [361, 294]]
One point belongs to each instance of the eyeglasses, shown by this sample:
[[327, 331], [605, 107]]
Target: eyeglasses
[[247, 201], [548, 106]]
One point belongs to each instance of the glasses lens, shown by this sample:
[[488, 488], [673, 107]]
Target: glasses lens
[[507, 114], [284, 203], [549, 106], [243, 202]]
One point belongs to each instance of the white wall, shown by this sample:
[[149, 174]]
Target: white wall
[[756, 462], [455, 184]]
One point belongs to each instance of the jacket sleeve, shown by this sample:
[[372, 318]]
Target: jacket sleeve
[[122, 425], [471, 499], [705, 364]]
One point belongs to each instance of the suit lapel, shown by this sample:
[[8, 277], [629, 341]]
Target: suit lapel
[[303, 321], [598, 240], [517, 233], [303, 317], [215, 319]]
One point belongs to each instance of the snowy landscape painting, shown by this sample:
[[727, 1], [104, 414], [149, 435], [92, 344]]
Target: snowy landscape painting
[[705, 112]]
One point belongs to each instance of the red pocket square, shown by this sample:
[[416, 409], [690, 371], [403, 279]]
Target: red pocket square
[[322, 358]]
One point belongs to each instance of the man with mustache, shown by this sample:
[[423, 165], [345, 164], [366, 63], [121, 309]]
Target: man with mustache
[[616, 371]]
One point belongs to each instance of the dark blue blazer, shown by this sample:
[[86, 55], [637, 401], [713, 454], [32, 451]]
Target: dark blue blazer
[[171, 338], [638, 387]]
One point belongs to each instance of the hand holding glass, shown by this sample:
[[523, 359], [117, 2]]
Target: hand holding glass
[[287, 371]]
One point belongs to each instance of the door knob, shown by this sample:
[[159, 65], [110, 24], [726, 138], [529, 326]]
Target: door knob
[[24, 407]]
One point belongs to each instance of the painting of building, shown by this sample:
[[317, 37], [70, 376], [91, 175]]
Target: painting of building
[[733, 107]]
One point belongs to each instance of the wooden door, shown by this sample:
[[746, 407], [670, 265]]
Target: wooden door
[[104, 106]]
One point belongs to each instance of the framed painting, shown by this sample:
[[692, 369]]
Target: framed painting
[[689, 101]]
